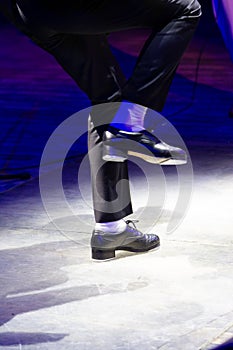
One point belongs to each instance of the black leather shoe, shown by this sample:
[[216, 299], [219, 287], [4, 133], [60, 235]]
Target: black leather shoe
[[104, 245], [118, 144]]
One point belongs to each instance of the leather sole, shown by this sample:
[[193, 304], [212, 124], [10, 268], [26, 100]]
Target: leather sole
[[104, 254], [111, 154]]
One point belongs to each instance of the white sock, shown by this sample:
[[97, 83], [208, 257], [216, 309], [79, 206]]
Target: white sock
[[136, 117], [130, 118], [111, 227]]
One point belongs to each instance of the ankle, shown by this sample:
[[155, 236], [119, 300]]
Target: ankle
[[130, 117], [112, 227], [136, 115]]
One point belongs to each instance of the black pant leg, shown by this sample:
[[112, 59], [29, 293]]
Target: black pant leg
[[173, 24], [110, 181], [89, 61]]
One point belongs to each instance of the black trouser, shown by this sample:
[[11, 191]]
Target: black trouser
[[74, 32]]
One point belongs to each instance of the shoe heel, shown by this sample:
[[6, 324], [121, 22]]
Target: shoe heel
[[99, 254], [112, 154]]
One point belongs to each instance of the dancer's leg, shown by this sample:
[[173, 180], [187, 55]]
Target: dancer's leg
[[161, 54], [88, 60]]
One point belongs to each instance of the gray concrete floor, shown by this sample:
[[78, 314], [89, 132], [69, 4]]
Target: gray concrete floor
[[53, 296]]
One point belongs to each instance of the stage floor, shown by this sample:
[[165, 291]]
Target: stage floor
[[53, 296]]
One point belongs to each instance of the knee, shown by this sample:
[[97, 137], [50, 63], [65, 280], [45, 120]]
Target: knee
[[46, 39]]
